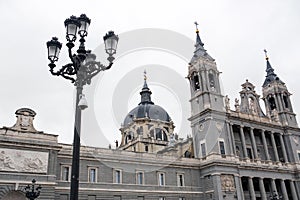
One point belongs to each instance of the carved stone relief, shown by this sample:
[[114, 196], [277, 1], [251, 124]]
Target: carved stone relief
[[227, 182], [23, 161]]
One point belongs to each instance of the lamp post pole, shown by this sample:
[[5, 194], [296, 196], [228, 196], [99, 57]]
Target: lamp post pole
[[80, 71]]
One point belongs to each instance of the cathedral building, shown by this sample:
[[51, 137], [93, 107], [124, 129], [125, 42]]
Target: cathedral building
[[242, 153]]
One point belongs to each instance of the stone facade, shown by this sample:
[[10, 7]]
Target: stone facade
[[242, 153]]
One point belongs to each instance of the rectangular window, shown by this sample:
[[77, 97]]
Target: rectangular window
[[140, 178], [203, 149], [298, 152], [65, 173], [92, 175], [181, 198], [249, 153], [118, 176], [146, 148], [161, 179], [162, 198], [222, 147], [180, 180]]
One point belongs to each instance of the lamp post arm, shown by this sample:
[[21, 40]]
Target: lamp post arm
[[93, 68], [109, 66], [66, 71]]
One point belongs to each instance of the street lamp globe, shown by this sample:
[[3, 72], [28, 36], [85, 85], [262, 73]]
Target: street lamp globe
[[84, 25], [54, 47], [111, 42], [71, 24]]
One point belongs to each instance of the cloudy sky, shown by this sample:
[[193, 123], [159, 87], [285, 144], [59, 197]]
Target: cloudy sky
[[234, 32]]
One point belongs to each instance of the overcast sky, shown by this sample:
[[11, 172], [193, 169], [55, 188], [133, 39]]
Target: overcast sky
[[234, 32]]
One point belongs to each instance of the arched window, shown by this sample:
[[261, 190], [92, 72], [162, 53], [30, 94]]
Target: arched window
[[160, 134], [195, 80], [285, 101], [187, 154], [272, 103], [211, 79], [128, 137]]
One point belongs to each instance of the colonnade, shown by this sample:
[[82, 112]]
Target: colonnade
[[263, 133], [279, 189]]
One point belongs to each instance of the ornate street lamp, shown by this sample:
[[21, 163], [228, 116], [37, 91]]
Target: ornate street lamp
[[31, 191], [82, 68]]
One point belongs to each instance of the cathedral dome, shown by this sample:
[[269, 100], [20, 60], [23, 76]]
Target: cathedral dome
[[150, 111], [147, 109]]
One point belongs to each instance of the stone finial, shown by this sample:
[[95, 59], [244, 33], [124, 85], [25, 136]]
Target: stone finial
[[25, 117]]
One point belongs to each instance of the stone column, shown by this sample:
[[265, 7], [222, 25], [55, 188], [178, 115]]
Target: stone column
[[274, 147], [253, 143], [199, 79], [267, 108], [265, 144], [230, 138], [251, 188], [273, 187], [217, 185], [280, 103], [243, 141], [233, 139], [283, 147], [283, 189], [262, 189], [293, 190], [238, 187], [203, 77], [242, 190]]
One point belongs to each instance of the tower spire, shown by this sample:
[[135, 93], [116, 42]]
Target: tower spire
[[146, 92], [271, 76], [199, 51], [198, 39]]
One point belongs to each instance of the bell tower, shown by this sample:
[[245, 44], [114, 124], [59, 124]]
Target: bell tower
[[207, 102], [204, 80], [277, 98]]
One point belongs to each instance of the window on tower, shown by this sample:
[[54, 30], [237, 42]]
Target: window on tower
[[195, 79], [285, 101], [211, 80], [222, 147], [203, 149], [272, 103]]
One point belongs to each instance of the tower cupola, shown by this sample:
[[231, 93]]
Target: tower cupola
[[277, 98]]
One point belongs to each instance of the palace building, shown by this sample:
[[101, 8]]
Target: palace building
[[243, 153]]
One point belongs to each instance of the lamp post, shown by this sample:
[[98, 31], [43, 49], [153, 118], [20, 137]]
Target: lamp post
[[82, 68], [31, 191]]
